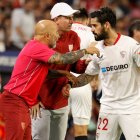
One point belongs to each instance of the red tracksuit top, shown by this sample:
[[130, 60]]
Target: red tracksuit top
[[50, 93]]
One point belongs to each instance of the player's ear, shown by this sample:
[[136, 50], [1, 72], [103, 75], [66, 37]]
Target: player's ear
[[56, 19], [47, 36], [107, 25]]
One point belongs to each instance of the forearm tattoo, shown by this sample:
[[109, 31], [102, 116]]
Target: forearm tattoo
[[83, 79], [67, 58]]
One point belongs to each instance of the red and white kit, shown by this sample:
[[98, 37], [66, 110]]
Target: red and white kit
[[120, 81]]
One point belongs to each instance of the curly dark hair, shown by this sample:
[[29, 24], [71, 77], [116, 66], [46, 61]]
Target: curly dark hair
[[103, 15]]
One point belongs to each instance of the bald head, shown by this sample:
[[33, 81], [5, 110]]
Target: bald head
[[46, 31], [45, 26]]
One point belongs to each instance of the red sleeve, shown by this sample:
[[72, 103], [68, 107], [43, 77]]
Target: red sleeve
[[43, 53], [38, 51], [79, 67]]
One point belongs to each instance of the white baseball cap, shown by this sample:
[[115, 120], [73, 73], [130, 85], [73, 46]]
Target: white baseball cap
[[63, 9]]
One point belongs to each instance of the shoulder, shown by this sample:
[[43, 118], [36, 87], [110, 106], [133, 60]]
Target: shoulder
[[128, 39], [128, 43], [71, 34], [36, 49], [80, 27], [36, 45]]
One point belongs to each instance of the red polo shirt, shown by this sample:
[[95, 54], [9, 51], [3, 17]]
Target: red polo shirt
[[30, 71]]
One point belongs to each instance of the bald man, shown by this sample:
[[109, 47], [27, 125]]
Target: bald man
[[30, 70]]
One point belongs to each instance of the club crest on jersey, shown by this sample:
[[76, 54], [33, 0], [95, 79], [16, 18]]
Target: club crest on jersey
[[70, 47], [123, 54]]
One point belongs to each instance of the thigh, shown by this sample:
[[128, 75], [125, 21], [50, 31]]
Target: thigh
[[41, 126], [108, 127], [17, 125], [130, 125], [2, 127], [81, 104], [59, 121]]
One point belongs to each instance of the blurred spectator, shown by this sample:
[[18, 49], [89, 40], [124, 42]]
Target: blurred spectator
[[42, 13], [38, 13], [124, 6], [42, 9], [46, 13], [2, 15], [135, 12], [6, 6], [134, 30], [2, 39], [90, 5], [70, 2], [2, 32], [134, 3], [7, 26], [22, 25], [46, 3], [114, 5], [122, 25], [0, 83]]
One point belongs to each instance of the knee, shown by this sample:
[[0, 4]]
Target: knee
[[80, 130]]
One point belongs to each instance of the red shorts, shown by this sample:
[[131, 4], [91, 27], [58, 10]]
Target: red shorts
[[2, 128], [16, 116]]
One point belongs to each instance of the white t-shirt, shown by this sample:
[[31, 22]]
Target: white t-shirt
[[119, 75], [84, 33]]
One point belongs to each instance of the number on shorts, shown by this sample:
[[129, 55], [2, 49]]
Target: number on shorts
[[104, 122]]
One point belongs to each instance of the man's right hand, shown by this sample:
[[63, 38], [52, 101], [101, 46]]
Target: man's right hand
[[92, 49], [66, 90], [35, 110]]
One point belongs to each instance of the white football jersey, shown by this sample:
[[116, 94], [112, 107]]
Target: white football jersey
[[119, 75], [84, 33]]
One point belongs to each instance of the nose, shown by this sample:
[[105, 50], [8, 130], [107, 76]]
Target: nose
[[92, 28]]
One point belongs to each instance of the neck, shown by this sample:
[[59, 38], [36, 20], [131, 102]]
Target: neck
[[60, 33], [81, 21], [40, 39], [112, 36]]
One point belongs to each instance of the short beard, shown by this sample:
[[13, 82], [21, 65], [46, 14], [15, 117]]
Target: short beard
[[102, 36]]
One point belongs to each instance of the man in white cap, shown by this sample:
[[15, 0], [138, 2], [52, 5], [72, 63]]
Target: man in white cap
[[53, 122]]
